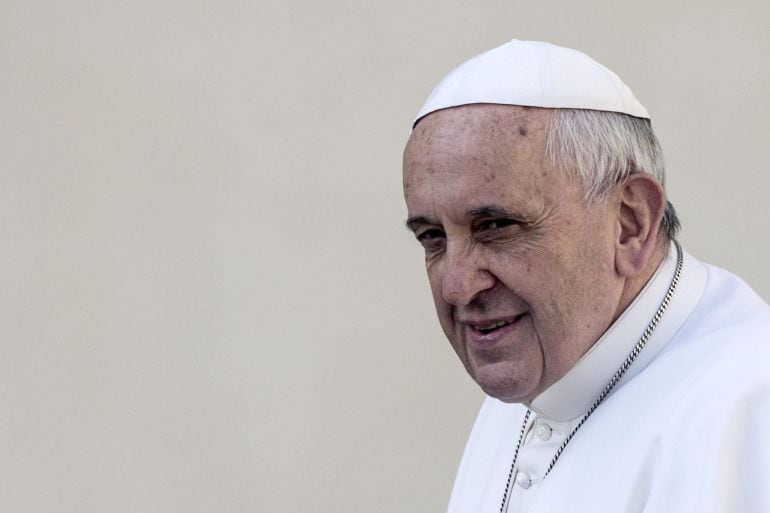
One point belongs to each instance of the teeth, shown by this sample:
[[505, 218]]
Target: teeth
[[493, 325]]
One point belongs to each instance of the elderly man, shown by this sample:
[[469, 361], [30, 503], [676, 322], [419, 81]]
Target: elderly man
[[622, 373]]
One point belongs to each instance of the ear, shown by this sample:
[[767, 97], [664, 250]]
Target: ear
[[641, 206]]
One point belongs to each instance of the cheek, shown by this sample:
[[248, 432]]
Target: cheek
[[443, 309], [434, 281]]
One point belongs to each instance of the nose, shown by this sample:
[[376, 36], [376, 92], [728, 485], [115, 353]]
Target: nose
[[464, 278]]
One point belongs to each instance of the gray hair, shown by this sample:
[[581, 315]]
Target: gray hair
[[603, 149]]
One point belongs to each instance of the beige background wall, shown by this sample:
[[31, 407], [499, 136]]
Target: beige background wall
[[207, 299]]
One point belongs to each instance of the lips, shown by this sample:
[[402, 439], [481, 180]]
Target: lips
[[485, 333], [486, 328]]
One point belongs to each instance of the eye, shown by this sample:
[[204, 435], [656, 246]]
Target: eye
[[495, 224], [430, 236], [433, 240]]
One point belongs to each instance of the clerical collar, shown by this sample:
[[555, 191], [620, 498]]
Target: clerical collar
[[573, 394]]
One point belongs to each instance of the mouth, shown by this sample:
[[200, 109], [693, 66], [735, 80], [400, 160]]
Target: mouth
[[492, 326], [488, 332]]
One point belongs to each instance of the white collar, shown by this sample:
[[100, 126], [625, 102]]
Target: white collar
[[575, 392]]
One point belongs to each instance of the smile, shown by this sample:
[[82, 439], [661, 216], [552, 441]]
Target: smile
[[486, 332], [491, 326]]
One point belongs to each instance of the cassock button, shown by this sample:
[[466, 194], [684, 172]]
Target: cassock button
[[523, 480], [543, 432]]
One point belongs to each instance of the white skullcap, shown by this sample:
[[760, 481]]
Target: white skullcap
[[534, 74]]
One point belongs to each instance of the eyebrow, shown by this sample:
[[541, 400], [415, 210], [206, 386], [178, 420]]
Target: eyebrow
[[414, 222], [492, 211]]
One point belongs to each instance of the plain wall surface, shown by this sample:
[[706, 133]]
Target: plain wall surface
[[208, 301]]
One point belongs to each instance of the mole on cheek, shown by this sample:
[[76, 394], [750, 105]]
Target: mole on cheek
[[522, 131]]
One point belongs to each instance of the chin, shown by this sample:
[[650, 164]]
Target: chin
[[505, 385]]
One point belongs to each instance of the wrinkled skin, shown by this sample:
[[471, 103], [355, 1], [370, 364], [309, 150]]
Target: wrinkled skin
[[507, 239]]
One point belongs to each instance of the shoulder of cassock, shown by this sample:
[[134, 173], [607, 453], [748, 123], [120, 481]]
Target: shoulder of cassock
[[689, 433]]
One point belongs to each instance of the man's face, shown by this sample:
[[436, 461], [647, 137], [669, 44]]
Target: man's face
[[521, 267]]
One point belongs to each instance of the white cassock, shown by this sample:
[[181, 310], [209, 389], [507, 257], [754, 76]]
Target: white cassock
[[687, 429]]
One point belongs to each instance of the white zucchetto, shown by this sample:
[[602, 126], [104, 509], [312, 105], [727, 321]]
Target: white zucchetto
[[534, 74]]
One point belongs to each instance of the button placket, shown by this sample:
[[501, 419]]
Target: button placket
[[523, 480], [544, 431]]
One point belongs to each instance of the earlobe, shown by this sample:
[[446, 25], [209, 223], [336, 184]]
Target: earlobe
[[641, 205]]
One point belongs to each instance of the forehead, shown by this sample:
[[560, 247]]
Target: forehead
[[469, 152]]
